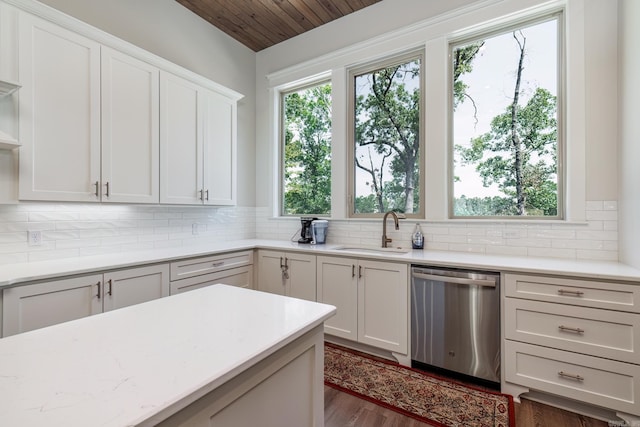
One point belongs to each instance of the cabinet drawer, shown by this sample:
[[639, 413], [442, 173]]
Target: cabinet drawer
[[609, 295], [601, 382], [205, 265], [603, 333], [241, 276]]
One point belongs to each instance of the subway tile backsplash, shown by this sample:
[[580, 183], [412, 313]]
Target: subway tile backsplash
[[76, 230], [596, 239]]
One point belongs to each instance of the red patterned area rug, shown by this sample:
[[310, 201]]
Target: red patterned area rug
[[416, 394]]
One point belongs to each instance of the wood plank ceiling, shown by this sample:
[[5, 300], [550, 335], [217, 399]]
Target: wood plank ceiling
[[259, 24]]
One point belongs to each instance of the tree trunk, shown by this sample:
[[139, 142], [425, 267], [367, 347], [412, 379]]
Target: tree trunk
[[409, 185], [515, 138]]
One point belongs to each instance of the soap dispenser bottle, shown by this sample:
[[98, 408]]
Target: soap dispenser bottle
[[417, 238]]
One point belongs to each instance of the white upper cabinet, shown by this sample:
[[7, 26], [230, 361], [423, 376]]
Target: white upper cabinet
[[130, 129], [197, 144], [104, 121], [219, 150], [180, 141], [59, 113]]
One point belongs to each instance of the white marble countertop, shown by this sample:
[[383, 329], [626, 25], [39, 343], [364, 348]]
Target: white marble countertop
[[15, 274], [144, 362]]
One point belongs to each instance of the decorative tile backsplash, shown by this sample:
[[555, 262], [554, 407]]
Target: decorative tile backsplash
[[74, 230], [597, 239]]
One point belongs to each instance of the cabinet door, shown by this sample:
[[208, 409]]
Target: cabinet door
[[130, 129], [241, 277], [302, 276], [59, 113], [181, 168], [383, 305], [270, 277], [338, 286], [30, 307], [135, 285], [219, 150]]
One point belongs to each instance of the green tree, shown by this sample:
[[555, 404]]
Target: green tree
[[387, 123], [307, 151], [519, 152]]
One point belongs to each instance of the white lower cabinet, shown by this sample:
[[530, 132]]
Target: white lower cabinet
[[30, 307], [234, 269], [603, 382], [371, 299], [241, 277], [287, 273], [574, 338]]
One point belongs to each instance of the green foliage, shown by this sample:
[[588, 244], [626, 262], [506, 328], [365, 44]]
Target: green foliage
[[307, 151], [493, 155], [484, 206], [463, 63], [387, 135]]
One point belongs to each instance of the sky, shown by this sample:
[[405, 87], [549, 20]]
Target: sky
[[491, 84]]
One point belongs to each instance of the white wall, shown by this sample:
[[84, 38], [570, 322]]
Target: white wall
[[349, 40], [629, 122]]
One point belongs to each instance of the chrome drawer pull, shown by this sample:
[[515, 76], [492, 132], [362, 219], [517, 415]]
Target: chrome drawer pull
[[570, 329], [217, 264], [571, 376], [568, 292]]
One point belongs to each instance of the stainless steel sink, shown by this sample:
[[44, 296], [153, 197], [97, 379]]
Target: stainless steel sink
[[372, 249]]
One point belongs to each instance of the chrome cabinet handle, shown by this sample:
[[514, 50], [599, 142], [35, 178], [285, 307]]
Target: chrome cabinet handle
[[98, 285], [570, 329], [201, 197], [107, 193], [207, 194], [281, 264], [359, 272], [217, 264], [569, 292], [97, 184], [353, 270], [570, 376], [286, 262], [110, 287]]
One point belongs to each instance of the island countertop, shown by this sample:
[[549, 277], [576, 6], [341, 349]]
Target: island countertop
[[142, 363]]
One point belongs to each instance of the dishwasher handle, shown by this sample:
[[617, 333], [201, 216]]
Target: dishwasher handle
[[457, 280]]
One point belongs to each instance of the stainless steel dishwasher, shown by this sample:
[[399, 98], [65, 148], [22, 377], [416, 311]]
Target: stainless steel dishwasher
[[455, 321]]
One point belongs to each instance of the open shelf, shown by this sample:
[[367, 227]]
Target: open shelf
[[7, 88], [7, 142]]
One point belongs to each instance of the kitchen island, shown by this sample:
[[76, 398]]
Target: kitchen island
[[236, 356]]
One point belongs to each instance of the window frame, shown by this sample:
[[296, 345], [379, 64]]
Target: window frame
[[560, 17], [368, 67], [282, 93]]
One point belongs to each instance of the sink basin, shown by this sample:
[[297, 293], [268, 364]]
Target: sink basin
[[372, 249]]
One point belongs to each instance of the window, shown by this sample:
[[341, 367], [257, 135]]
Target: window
[[386, 142], [306, 160], [506, 134]]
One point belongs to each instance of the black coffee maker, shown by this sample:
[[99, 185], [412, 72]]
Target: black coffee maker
[[305, 230]]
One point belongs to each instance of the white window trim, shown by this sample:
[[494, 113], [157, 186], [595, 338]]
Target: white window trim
[[559, 17], [370, 67], [434, 35], [276, 94]]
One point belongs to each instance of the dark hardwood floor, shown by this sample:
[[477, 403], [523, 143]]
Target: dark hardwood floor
[[344, 410]]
